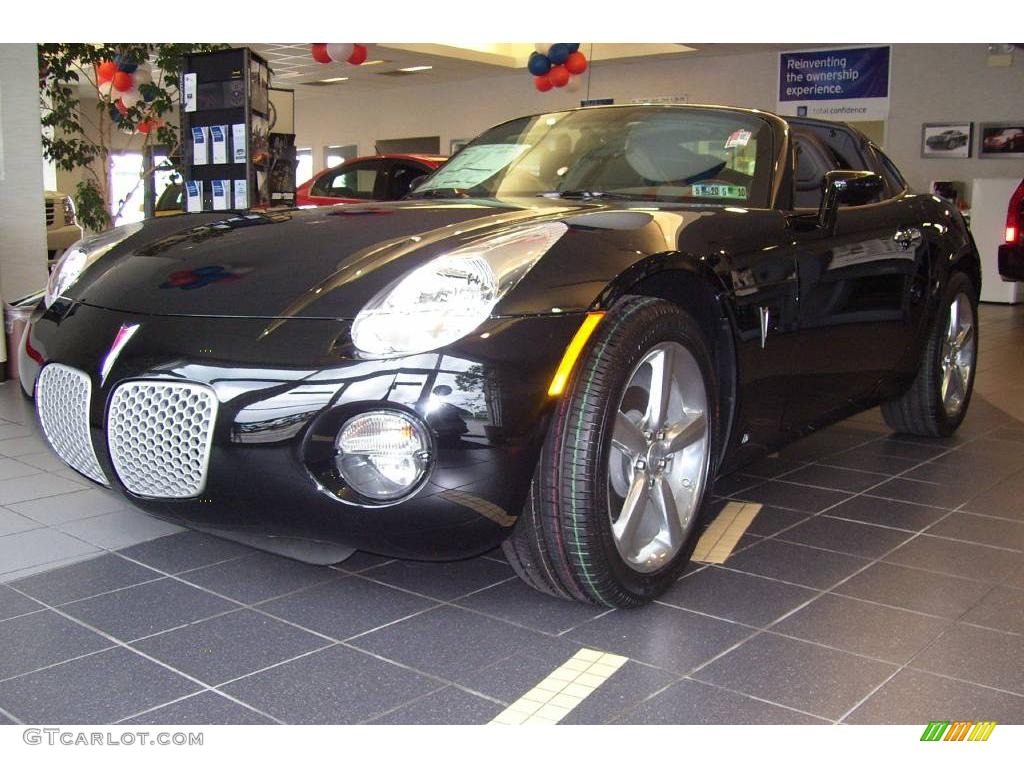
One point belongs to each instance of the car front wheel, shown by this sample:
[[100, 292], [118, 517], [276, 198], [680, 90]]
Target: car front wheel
[[618, 490]]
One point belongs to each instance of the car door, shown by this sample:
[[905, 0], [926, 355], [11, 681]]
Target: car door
[[858, 282], [349, 183], [399, 176]]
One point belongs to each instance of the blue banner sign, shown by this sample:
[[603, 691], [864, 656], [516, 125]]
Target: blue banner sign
[[843, 83]]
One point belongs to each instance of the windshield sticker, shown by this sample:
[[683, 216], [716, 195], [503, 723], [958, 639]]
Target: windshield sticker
[[720, 190], [738, 138], [474, 165]]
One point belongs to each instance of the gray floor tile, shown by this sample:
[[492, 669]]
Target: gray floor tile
[[206, 708], [185, 551], [917, 698], [819, 681], [1002, 608], [795, 563], [346, 607], [993, 531], [802, 498], [443, 581], [887, 634], [225, 647], [734, 483], [57, 510], [86, 579], [7, 431], [736, 596], [23, 573], [21, 446], [260, 576], [448, 706], [835, 478], [336, 685], [518, 603], [12, 522], [47, 460], [123, 528], [668, 638], [12, 604], [918, 492], [957, 558], [40, 639], [915, 590], [869, 459], [977, 655], [894, 514], [771, 466], [361, 561], [689, 702], [20, 489], [850, 538], [11, 468], [100, 688], [142, 610], [771, 520], [39, 547], [424, 642]]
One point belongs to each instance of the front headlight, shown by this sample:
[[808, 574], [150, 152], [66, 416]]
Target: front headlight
[[448, 297], [80, 255]]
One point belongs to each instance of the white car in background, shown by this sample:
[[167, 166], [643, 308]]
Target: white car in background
[[62, 228]]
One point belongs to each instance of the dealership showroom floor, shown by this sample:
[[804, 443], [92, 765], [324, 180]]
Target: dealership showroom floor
[[882, 581]]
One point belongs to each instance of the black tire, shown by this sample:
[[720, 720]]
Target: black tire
[[563, 543], [920, 410]]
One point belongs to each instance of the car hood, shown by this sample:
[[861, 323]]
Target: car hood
[[315, 263]]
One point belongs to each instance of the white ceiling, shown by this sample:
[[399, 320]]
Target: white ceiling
[[294, 67]]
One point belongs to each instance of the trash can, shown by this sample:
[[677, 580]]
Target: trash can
[[16, 317]]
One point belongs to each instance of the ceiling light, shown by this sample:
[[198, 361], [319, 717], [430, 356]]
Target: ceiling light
[[421, 68]]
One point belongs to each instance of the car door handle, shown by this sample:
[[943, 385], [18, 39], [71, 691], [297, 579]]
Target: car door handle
[[908, 238]]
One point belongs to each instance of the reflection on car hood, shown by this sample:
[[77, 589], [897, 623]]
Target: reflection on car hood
[[322, 263]]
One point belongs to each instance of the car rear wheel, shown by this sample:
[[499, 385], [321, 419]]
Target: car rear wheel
[[936, 403], [617, 495]]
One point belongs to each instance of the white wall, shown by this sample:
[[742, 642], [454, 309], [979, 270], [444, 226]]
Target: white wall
[[22, 216], [929, 83]]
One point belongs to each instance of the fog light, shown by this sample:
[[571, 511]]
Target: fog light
[[382, 454]]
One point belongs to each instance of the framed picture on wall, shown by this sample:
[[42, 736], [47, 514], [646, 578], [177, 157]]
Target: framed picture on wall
[[1002, 140], [947, 139]]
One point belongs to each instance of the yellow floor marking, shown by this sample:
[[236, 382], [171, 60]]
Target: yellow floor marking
[[561, 692], [720, 538]]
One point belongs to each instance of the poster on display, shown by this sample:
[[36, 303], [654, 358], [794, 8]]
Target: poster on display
[[946, 139], [840, 84]]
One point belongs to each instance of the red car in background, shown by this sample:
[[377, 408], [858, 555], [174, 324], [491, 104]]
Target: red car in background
[[376, 177]]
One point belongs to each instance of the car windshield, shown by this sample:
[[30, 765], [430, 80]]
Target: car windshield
[[675, 154]]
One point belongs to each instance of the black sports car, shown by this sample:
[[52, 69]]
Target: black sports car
[[556, 344], [950, 139]]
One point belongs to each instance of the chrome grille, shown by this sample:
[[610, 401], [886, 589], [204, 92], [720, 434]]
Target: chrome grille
[[159, 434], [62, 402], [49, 213]]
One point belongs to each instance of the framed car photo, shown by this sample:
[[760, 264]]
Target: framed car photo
[[947, 139], [1002, 140]]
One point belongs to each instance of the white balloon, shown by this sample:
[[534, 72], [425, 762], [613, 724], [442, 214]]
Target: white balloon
[[339, 51], [574, 84], [130, 97], [105, 89], [542, 47]]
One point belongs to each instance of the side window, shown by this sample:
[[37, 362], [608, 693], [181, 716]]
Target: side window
[[401, 179], [356, 181], [894, 181], [814, 159]]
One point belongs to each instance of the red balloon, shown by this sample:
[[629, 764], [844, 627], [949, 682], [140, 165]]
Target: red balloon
[[559, 75], [121, 108], [123, 81], [542, 83], [319, 51], [358, 54], [105, 71], [144, 126], [576, 63]]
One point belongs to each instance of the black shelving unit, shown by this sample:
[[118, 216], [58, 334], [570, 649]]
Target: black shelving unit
[[225, 129]]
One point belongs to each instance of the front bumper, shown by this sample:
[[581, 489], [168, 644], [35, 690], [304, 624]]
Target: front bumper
[[1011, 262], [283, 387]]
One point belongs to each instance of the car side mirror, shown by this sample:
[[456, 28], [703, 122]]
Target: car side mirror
[[849, 187], [416, 182]]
